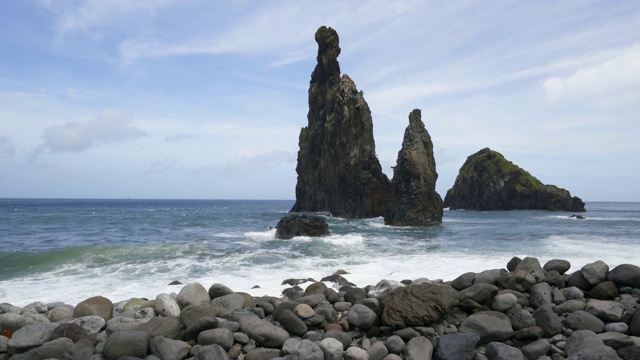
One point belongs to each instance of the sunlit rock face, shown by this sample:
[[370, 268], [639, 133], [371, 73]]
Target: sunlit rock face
[[488, 181], [415, 201], [338, 170]]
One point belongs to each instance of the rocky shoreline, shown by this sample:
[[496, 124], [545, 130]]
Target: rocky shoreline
[[526, 311]]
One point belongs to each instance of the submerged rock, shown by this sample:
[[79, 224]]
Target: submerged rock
[[338, 170], [415, 201], [301, 225], [487, 181]]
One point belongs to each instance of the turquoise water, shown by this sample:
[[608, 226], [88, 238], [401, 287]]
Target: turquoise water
[[68, 250]]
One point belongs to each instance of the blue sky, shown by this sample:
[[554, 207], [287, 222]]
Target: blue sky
[[205, 99]]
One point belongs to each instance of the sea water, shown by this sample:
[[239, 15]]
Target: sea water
[[69, 250]]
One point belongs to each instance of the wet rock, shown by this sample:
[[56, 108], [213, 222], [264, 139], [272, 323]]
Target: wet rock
[[93, 324], [463, 281], [383, 287], [291, 226], [225, 305], [540, 294]]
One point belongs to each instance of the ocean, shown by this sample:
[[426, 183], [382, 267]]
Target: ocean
[[70, 250]]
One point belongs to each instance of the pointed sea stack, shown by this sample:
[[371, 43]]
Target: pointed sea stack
[[415, 201], [487, 181], [338, 171]]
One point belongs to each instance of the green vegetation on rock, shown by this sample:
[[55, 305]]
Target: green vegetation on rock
[[488, 181]]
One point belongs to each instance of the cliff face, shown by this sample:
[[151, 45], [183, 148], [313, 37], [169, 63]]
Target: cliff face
[[487, 181], [338, 170], [415, 201]]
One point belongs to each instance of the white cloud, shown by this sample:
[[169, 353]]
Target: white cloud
[[245, 164], [88, 14], [6, 147], [617, 77], [161, 166], [111, 126]]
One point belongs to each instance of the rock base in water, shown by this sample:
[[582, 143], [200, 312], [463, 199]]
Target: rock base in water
[[301, 225], [487, 181]]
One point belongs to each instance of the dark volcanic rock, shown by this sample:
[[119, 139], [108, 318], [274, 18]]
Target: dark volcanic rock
[[338, 170], [301, 225], [418, 305], [487, 181], [415, 201]]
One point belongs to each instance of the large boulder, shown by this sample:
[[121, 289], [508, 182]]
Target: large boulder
[[418, 305], [415, 201], [338, 170], [97, 305], [301, 225], [625, 275], [263, 332], [488, 181]]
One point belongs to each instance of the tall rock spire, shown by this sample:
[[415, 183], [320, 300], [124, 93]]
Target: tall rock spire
[[338, 171], [415, 201]]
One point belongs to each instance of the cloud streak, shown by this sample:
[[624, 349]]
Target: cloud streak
[[111, 126]]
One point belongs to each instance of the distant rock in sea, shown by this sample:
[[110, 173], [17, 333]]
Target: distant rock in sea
[[291, 226], [487, 181], [338, 171], [415, 201]]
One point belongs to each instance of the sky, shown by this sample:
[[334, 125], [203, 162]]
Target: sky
[[197, 99]]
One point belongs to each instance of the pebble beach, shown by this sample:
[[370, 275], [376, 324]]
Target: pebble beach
[[526, 310]]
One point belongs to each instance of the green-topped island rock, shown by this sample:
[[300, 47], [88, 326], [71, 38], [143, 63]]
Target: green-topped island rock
[[488, 181]]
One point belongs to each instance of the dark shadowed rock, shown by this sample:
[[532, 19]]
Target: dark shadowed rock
[[487, 181], [338, 170], [415, 201], [461, 346], [625, 275], [547, 320], [301, 225], [489, 325], [418, 305], [605, 290], [500, 351], [127, 343]]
